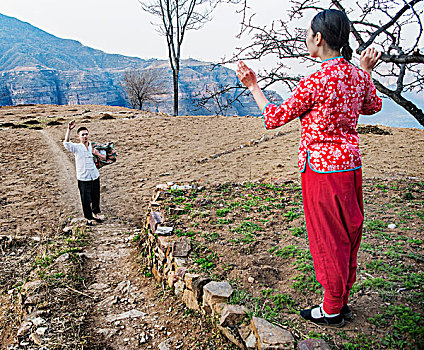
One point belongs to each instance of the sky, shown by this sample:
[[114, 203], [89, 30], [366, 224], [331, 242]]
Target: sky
[[120, 26]]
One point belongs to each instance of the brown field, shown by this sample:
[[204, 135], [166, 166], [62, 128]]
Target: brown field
[[38, 195]]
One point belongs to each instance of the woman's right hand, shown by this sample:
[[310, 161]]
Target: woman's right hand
[[246, 75]]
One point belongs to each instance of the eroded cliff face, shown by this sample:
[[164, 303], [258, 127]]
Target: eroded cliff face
[[49, 86], [39, 68], [103, 87]]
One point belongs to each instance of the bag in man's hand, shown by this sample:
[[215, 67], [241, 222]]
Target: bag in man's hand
[[107, 149]]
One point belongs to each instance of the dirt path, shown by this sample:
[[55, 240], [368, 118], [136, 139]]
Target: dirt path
[[66, 171], [116, 298], [127, 310], [119, 314], [107, 263]]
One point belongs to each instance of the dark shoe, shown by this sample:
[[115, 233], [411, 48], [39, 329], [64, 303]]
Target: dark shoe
[[346, 312], [89, 223], [98, 218], [336, 321]]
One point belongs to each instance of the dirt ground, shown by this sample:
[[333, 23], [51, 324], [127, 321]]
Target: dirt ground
[[38, 195]]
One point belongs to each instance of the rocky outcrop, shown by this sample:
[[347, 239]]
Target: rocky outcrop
[[49, 86], [103, 87]]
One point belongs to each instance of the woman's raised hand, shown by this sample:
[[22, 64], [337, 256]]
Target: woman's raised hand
[[246, 75], [248, 79], [369, 58]]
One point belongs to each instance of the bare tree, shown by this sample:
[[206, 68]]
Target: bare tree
[[395, 27], [176, 17], [143, 86]]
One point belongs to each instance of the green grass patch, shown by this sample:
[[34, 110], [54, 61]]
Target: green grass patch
[[291, 215], [248, 230], [299, 231], [374, 225], [407, 327], [223, 212], [211, 236]]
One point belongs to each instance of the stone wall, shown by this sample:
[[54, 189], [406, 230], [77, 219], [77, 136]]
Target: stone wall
[[168, 258]]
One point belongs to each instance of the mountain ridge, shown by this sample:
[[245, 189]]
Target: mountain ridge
[[19, 37]]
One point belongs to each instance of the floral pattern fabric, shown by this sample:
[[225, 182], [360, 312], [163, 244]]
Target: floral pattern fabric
[[328, 104]]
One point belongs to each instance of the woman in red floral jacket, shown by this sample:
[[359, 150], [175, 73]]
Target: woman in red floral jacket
[[328, 104]]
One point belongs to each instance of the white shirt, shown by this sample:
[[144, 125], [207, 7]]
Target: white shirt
[[84, 161]]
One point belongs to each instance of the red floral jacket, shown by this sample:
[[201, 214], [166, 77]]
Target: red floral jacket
[[328, 104]]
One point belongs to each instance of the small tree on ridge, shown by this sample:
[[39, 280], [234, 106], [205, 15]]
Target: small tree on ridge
[[142, 86]]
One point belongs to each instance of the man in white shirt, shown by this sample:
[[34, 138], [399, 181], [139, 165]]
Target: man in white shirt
[[87, 173]]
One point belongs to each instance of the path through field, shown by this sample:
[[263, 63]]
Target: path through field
[[126, 309], [65, 168]]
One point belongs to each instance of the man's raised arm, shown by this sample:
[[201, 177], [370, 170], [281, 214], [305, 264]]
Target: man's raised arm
[[71, 125]]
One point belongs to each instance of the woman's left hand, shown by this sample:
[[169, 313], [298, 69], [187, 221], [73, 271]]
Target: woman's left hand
[[248, 78], [246, 75]]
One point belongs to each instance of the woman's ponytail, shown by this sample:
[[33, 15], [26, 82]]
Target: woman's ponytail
[[347, 52]]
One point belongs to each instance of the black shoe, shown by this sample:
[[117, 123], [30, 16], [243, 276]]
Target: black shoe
[[346, 312], [97, 219], [336, 321], [89, 223]]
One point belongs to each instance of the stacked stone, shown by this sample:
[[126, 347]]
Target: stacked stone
[[168, 258]]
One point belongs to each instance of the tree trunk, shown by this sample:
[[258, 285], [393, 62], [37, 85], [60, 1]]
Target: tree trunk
[[175, 74]]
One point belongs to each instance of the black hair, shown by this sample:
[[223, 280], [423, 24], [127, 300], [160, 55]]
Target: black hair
[[81, 129], [334, 27]]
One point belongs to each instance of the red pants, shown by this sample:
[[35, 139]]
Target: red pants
[[334, 214]]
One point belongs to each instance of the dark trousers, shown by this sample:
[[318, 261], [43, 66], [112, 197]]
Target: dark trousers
[[90, 197]]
